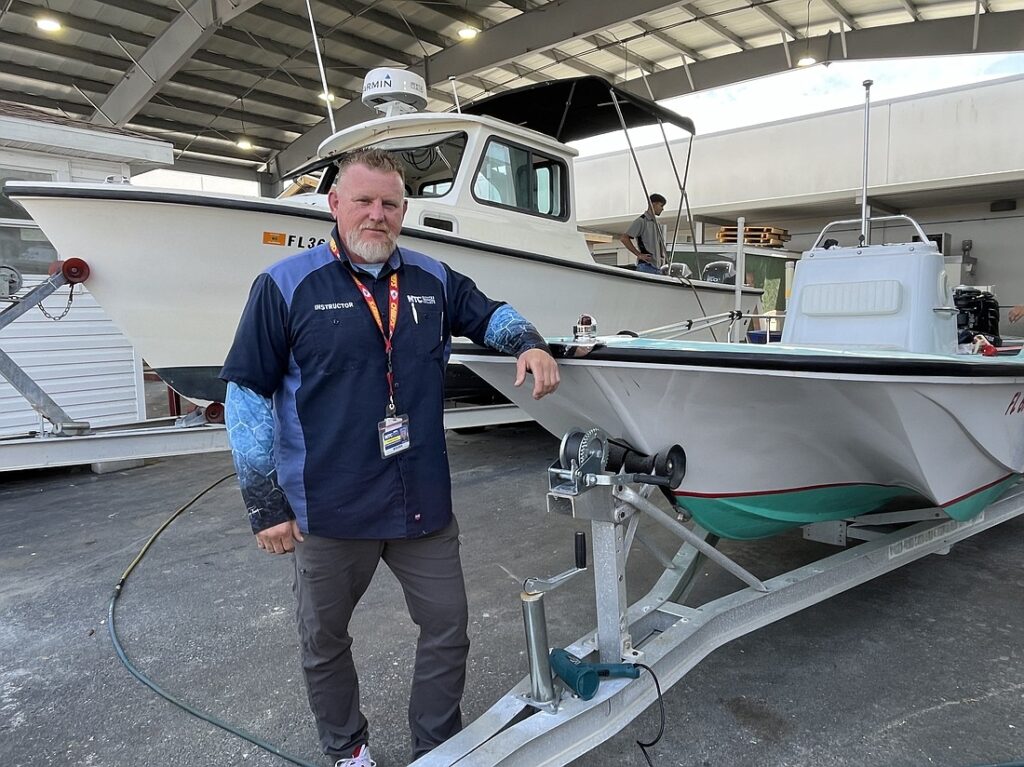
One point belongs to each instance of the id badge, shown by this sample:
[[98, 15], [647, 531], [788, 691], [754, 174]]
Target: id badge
[[394, 435]]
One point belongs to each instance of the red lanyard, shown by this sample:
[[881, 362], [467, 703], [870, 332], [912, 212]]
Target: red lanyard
[[375, 313]]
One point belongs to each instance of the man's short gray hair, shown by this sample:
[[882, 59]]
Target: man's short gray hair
[[374, 159]]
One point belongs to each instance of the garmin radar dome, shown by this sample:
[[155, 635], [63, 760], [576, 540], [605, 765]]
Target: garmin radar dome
[[394, 91]]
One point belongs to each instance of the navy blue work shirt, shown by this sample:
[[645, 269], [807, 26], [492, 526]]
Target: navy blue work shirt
[[308, 340]]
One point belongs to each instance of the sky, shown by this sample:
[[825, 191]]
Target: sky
[[814, 89]]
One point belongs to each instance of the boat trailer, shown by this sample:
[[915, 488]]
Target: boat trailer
[[543, 721]]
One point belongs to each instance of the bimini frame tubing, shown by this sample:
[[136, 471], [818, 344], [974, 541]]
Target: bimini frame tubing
[[671, 638]]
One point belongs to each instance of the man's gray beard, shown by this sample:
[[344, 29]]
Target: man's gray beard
[[371, 252]]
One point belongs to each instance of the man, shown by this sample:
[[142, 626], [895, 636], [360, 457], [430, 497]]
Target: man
[[335, 415], [650, 243]]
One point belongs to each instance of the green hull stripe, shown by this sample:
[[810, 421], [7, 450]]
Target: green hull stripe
[[760, 516], [973, 505]]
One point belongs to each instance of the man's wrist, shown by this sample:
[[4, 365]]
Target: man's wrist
[[262, 519], [531, 345]]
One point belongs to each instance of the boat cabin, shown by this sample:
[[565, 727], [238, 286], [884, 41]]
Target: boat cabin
[[476, 178], [498, 171]]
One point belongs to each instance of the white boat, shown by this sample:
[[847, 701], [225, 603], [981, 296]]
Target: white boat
[[865, 406], [492, 198]]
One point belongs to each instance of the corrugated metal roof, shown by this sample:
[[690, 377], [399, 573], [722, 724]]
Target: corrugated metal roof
[[255, 74]]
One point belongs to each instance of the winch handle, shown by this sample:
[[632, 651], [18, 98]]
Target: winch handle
[[542, 585], [651, 479]]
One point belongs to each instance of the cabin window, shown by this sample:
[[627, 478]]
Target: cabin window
[[516, 177], [430, 162], [435, 188]]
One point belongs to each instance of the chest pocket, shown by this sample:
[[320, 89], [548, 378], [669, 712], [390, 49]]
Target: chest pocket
[[428, 335], [341, 342]]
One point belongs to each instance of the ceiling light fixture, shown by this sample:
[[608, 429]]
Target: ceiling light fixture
[[807, 60], [328, 97], [48, 24], [468, 33], [243, 141]]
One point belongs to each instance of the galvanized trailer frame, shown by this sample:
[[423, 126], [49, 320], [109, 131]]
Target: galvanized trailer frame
[[669, 637]]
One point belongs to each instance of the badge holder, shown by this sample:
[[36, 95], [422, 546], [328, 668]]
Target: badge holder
[[394, 433]]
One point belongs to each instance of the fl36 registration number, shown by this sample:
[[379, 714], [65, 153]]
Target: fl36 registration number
[[288, 240]]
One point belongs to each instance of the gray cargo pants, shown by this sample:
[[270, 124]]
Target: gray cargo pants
[[331, 576]]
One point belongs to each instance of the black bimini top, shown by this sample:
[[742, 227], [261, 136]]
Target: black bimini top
[[577, 108]]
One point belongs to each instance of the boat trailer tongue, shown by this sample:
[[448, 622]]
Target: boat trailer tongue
[[576, 697]]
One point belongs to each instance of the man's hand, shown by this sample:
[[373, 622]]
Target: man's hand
[[279, 538], [544, 369], [1016, 312]]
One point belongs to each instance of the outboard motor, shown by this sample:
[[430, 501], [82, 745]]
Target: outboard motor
[[977, 314], [680, 269], [720, 271]]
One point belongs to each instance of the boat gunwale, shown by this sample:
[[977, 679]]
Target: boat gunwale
[[753, 362]]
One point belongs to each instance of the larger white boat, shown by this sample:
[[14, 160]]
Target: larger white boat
[[865, 406], [491, 197]]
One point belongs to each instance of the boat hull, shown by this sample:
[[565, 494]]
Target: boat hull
[[771, 447], [173, 270], [203, 385]]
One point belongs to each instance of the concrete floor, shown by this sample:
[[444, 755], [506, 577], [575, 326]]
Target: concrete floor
[[924, 666]]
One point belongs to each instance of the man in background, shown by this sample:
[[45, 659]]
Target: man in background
[[644, 238]]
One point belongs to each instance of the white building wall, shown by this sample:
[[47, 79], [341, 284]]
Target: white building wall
[[63, 168], [83, 362], [917, 142]]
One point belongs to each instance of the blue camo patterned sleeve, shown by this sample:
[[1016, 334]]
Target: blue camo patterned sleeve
[[509, 332], [250, 422]]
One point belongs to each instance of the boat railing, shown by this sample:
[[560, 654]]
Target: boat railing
[[871, 220], [684, 327]]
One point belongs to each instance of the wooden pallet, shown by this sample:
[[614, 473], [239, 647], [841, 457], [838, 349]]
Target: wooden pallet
[[727, 230], [761, 236], [757, 240], [760, 244]]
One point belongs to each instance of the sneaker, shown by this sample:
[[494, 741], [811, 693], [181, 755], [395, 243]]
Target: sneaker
[[360, 758]]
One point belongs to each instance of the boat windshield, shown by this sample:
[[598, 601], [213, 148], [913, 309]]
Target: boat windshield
[[430, 161]]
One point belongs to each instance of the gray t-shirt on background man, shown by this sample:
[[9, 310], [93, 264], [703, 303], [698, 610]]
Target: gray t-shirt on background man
[[645, 232]]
